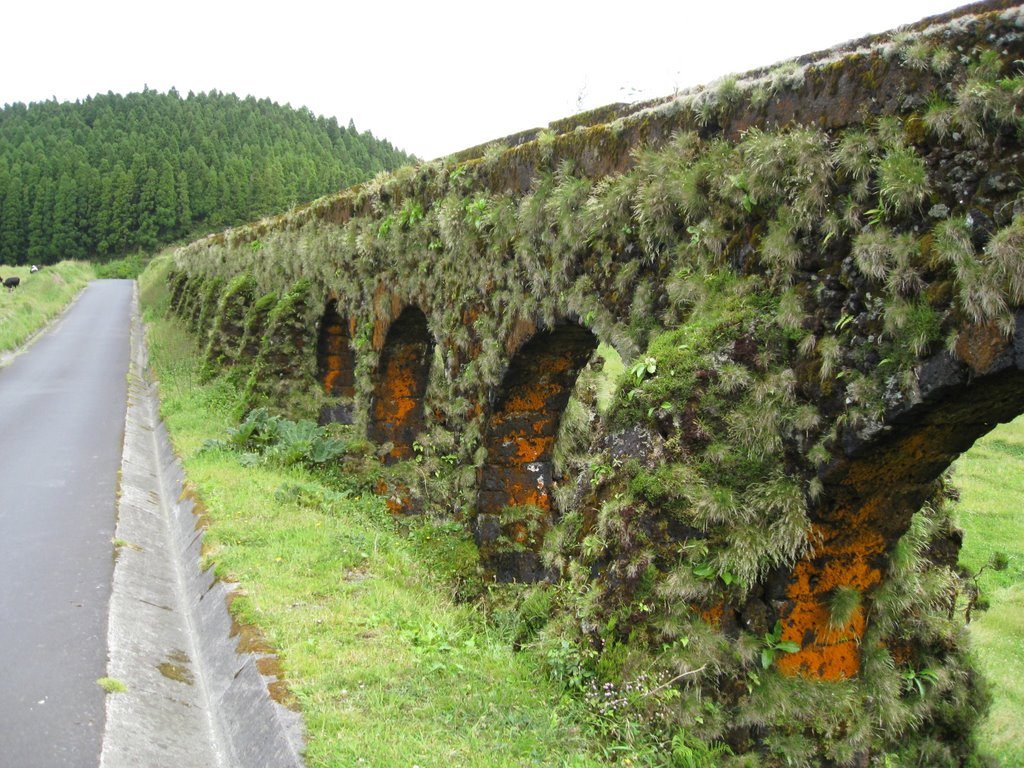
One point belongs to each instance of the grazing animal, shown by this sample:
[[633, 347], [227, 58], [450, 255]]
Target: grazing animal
[[11, 283], [34, 269]]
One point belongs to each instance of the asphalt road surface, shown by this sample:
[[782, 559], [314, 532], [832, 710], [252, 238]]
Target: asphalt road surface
[[62, 409]]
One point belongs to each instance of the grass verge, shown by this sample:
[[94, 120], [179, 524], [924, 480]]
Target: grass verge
[[991, 481], [386, 666], [127, 267], [39, 298]]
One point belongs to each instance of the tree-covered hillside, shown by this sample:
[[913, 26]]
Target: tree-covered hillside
[[115, 173]]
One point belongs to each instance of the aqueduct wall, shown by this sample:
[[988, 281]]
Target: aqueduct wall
[[820, 266]]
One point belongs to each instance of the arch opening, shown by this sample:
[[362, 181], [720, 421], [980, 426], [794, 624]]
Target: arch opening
[[400, 385], [515, 483], [989, 480], [869, 499], [335, 365]]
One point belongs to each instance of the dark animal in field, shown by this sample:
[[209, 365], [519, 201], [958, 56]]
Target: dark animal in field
[[11, 283]]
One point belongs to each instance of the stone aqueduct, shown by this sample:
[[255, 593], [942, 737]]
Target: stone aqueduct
[[873, 193]]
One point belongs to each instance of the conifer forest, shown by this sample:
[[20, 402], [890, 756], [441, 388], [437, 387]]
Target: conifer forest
[[112, 174]]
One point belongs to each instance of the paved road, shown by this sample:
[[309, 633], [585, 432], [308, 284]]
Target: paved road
[[62, 408]]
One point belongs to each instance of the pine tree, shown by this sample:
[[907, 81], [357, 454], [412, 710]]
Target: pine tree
[[65, 230], [40, 222], [12, 220]]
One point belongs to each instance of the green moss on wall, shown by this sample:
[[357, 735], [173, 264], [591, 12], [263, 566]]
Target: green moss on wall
[[285, 369], [778, 293], [229, 324]]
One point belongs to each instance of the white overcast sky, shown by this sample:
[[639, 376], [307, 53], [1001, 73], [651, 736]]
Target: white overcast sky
[[432, 77]]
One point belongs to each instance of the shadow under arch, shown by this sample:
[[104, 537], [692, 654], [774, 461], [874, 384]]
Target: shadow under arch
[[400, 384], [871, 493], [519, 440], [335, 363]]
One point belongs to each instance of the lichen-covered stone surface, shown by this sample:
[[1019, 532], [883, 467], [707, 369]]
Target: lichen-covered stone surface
[[286, 359], [815, 274], [400, 383], [515, 483], [253, 328], [225, 335]]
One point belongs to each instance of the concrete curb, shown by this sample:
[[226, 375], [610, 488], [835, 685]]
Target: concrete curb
[[192, 701]]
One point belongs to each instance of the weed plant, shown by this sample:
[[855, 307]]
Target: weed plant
[[126, 268], [281, 440]]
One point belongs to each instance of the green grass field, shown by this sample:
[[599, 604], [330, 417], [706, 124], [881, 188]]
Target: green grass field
[[991, 512], [39, 298]]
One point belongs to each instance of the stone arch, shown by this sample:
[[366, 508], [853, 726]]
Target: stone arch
[[335, 363], [519, 440], [400, 384], [871, 492]]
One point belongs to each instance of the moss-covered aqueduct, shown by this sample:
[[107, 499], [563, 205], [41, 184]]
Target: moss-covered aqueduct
[[815, 276]]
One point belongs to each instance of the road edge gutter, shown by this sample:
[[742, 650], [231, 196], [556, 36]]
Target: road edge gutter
[[191, 698]]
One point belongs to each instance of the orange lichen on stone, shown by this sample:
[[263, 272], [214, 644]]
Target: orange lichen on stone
[[519, 533], [330, 381], [397, 498], [400, 385], [398, 398], [711, 614], [523, 427], [980, 346], [843, 557], [524, 490], [871, 495], [533, 399], [865, 478], [335, 356], [530, 449]]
